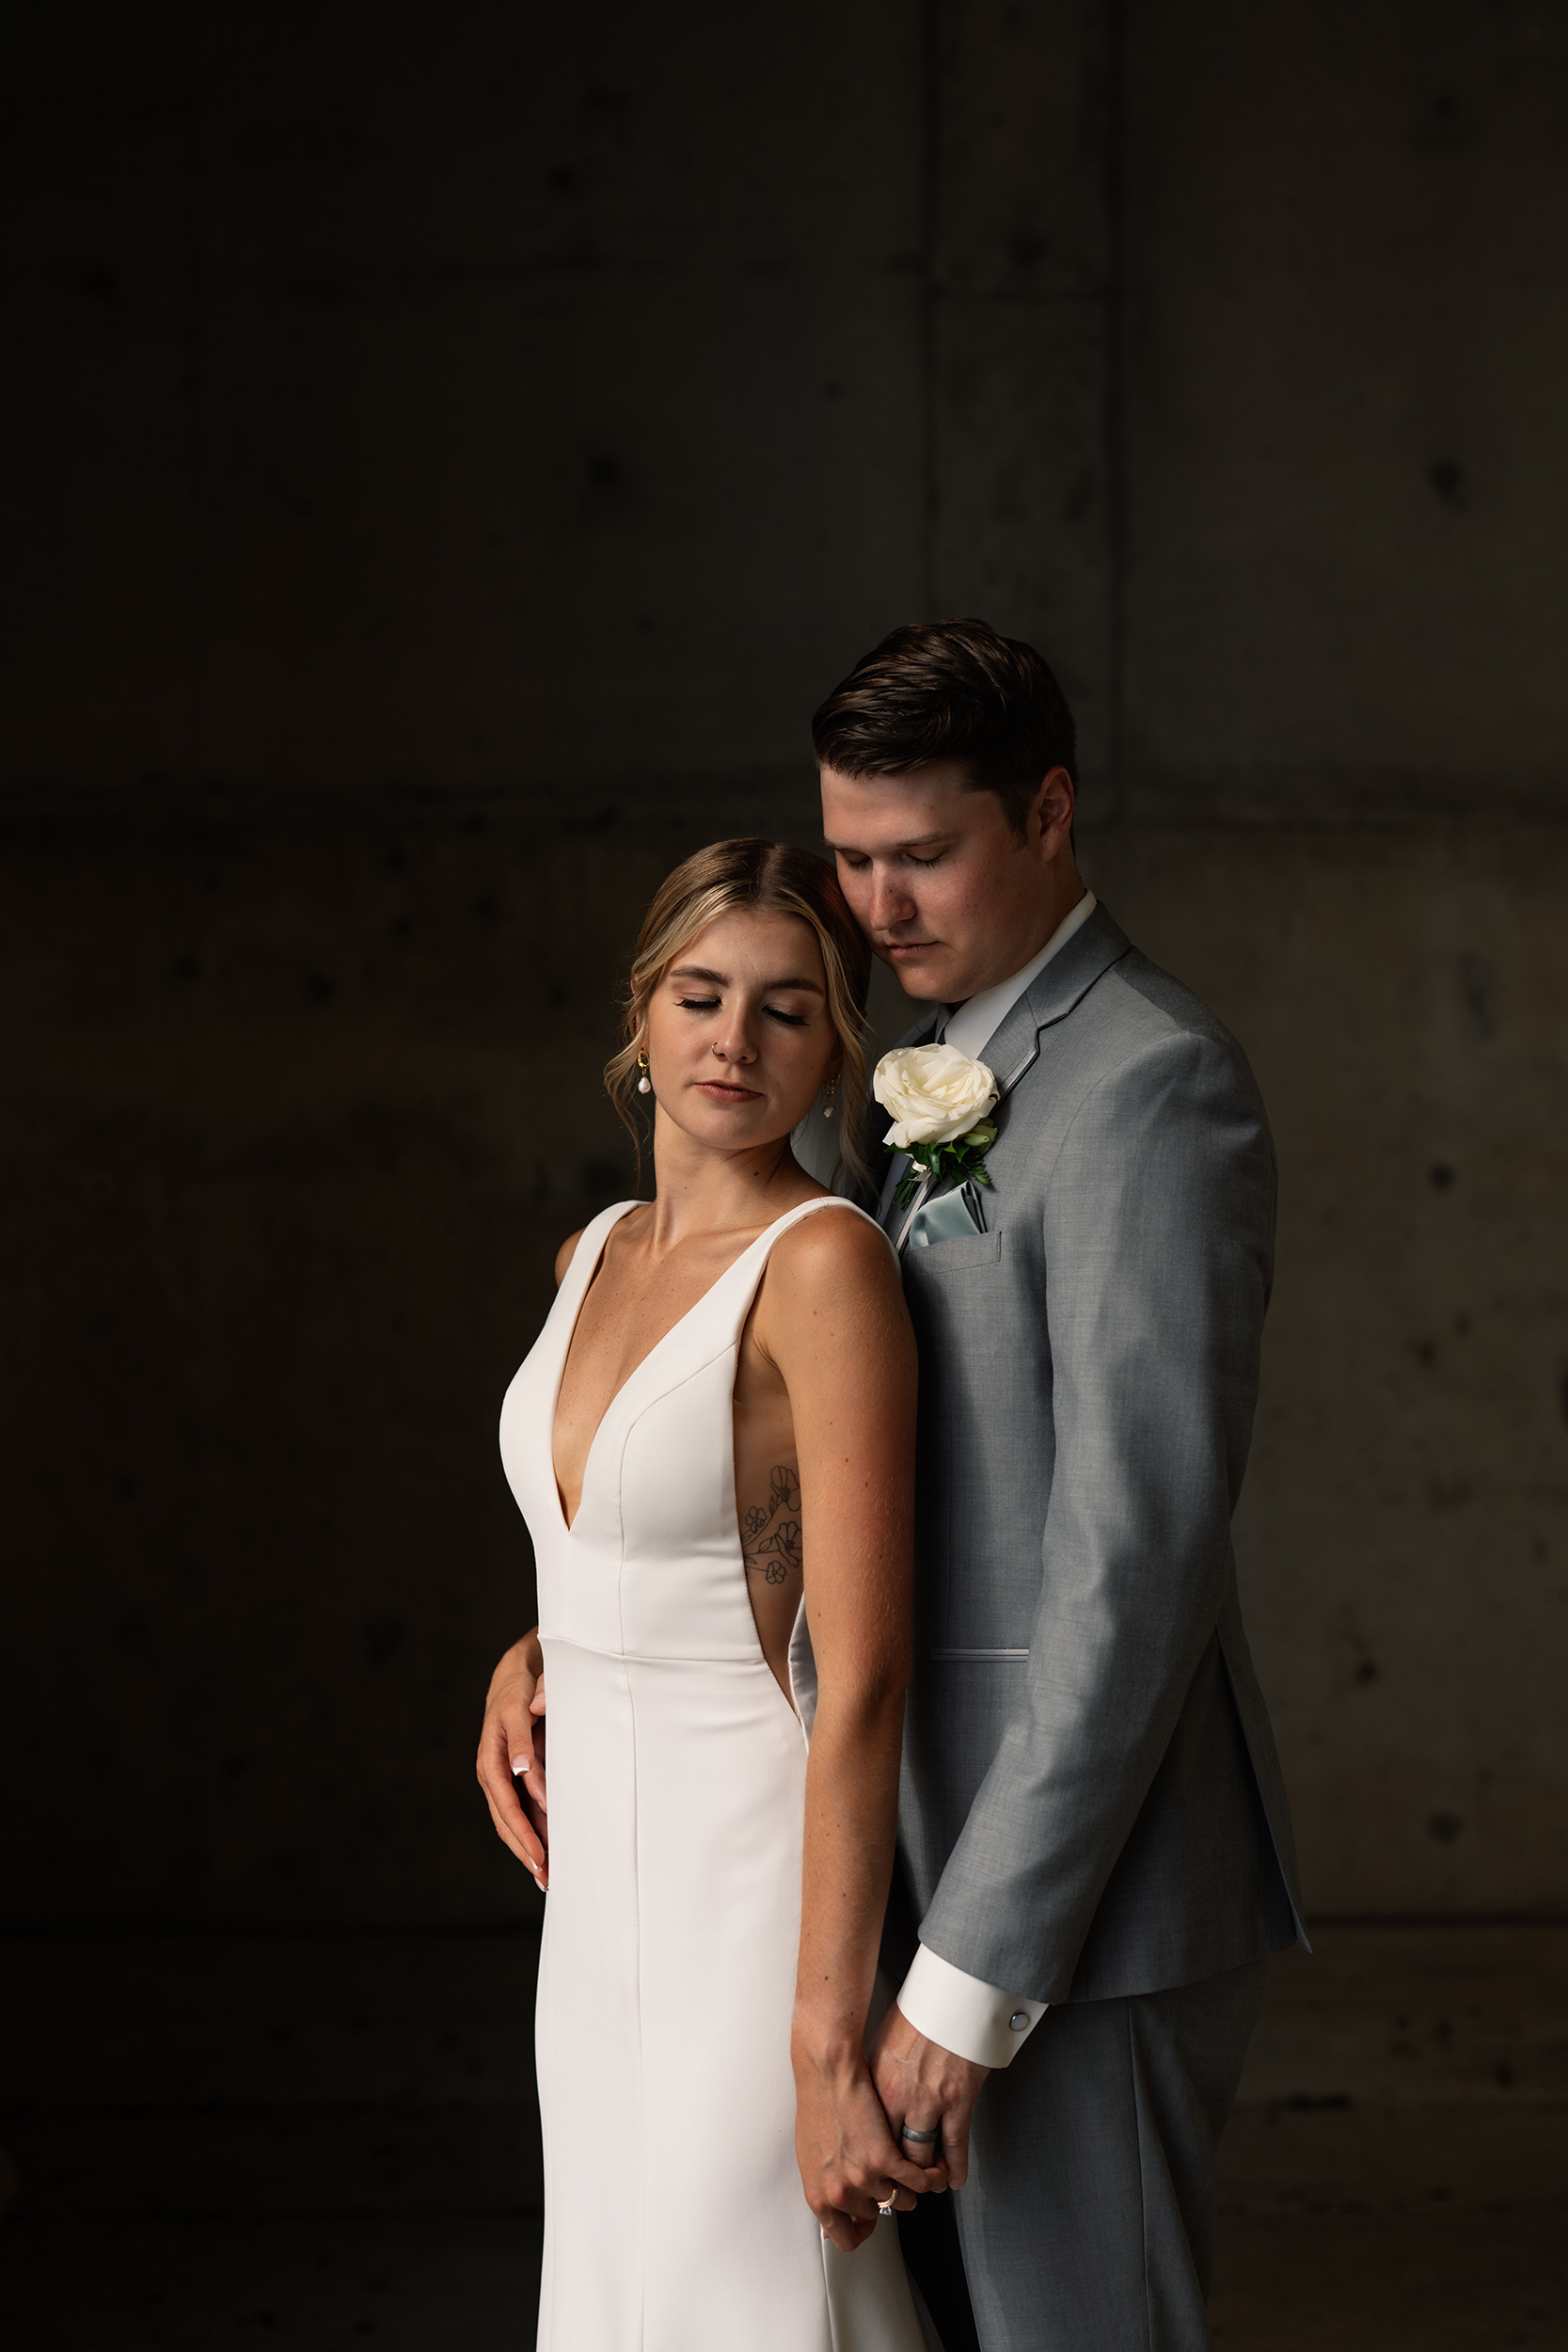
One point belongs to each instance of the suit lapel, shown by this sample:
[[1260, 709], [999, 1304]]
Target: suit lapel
[[898, 1169], [1014, 1045]]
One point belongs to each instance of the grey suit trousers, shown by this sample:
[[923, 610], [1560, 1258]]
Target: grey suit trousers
[[1088, 2224]]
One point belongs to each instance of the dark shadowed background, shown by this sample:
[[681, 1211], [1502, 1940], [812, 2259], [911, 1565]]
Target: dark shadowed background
[[447, 455]]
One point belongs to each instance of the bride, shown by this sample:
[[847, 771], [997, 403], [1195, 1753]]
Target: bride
[[712, 1443]]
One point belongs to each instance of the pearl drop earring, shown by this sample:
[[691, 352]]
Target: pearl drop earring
[[644, 1084], [828, 1105]]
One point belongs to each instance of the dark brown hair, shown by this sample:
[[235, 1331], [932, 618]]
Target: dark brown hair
[[761, 878], [951, 690]]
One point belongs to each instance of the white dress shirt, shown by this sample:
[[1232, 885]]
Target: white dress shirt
[[964, 2015], [972, 1024]]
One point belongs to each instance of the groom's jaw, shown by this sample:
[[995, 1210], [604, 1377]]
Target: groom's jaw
[[917, 963], [928, 864], [931, 848]]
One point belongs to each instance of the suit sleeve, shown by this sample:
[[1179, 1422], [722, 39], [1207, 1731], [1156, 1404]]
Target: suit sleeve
[[1157, 1249], [978, 2021]]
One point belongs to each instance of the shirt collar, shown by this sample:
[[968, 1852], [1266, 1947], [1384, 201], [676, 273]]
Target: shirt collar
[[977, 1021]]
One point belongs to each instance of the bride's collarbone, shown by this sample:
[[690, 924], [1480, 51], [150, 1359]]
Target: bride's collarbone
[[626, 1312], [635, 1299], [633, 1303]]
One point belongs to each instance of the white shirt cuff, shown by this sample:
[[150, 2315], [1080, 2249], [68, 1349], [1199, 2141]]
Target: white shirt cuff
[[964, 2015]]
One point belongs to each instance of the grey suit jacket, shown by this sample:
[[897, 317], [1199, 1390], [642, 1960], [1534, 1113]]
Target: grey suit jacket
[[1091, 1801]]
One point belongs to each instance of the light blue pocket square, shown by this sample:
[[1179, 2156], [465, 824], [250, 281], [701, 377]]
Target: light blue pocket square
[[950, 1217]]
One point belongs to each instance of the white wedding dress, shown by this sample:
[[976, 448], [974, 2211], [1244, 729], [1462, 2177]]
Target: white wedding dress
[[673, 2215]]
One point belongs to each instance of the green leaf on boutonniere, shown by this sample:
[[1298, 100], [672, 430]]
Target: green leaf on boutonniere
[[964, 1159]]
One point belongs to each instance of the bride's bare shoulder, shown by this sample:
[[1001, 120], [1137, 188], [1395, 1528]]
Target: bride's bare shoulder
[[832, 1300], [833, 1247]]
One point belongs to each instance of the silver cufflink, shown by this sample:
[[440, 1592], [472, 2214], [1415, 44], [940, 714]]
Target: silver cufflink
[[1018, 2019]]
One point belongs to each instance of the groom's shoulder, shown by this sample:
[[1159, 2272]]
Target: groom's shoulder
[[1153, 1001], [1137, 1012]]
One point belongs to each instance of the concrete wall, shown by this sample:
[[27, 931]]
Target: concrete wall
[[521, 397], [1403, 1529], [450, 458]]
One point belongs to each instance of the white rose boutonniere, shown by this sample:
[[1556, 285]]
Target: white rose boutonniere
[[939, 1099]]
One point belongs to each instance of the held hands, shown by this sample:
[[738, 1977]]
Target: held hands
[[850, 2165], [850, 2114], [511, 1755], [923, 2086]]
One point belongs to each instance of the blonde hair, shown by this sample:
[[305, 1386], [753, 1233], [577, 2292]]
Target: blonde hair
[[760, 878]]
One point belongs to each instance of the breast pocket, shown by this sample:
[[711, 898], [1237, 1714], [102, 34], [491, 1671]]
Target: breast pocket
[[964, 1254]]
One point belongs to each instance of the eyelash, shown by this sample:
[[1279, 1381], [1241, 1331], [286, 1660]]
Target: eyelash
[[710, 1004], [859, 865]]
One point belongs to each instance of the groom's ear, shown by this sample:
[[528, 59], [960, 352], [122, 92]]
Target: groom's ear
[[1052, 813]]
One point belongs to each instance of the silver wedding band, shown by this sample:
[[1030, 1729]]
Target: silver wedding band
[[907, 2134]]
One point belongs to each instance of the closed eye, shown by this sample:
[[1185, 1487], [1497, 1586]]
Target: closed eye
[[698, 1003], [859, 865], [794, 1020]]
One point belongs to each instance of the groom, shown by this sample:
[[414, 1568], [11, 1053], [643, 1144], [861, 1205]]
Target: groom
[[1095, 1851]]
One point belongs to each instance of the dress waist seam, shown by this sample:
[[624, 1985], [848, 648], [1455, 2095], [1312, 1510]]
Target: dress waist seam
[[654, 1656]]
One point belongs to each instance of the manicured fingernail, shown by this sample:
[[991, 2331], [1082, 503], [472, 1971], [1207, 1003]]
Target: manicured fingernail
[[521, 1764]]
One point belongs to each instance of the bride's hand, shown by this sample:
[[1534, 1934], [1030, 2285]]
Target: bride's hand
[[849, 2165], [511, 1754]]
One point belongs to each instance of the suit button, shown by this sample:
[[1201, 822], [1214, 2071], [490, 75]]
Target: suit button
[[1018, 2019]]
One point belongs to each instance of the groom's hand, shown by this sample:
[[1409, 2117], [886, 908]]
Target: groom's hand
[[511, 1759], [850, 2165], [923, 2086]]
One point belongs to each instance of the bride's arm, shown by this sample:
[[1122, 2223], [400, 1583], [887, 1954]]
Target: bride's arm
[[833, 1318]]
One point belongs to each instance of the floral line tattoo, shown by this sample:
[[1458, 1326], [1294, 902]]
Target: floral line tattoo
[[771, 1543]]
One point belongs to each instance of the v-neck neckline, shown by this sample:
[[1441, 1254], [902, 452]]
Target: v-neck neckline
[[665, 1337]]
